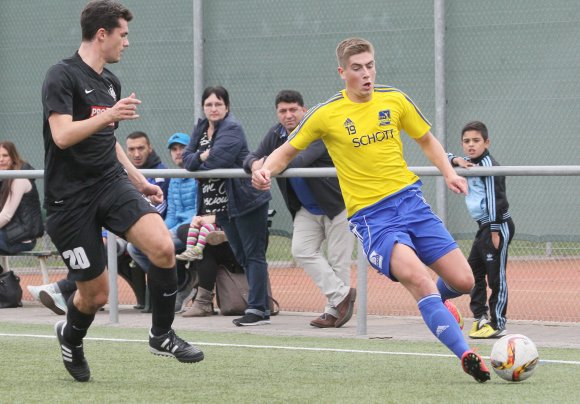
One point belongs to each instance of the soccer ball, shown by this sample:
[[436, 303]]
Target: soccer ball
[[514, 357]]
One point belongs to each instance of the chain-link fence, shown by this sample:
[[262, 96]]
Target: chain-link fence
[[514, 65]]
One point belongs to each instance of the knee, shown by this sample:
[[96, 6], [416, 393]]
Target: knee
[[300, 254], [163, 254], [416, 279], [100, 300], [91, 303], [301, 251], [464, 283]]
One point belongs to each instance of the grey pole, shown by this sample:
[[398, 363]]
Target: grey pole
[[197, 58], [113, 289], [440, 101], [361, 291]]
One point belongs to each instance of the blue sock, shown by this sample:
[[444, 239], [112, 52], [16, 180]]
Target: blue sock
[[442, 324], [446, 291]]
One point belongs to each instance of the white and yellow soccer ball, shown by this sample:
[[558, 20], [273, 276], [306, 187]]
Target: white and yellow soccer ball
[[514, 357]]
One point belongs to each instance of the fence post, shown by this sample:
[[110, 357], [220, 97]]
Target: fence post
[[113, 289], [361, 289]]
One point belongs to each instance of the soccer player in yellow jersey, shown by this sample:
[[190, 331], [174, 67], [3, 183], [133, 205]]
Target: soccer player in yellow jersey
[[361, 128]]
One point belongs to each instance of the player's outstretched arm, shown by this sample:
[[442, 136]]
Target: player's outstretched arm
[[436, 154], [274, 164]]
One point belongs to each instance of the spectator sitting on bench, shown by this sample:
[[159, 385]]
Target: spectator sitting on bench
[[20, 214]]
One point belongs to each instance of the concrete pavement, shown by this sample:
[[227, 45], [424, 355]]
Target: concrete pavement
[[297, 324]]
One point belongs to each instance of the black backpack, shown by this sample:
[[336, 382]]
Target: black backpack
[[10, 290]]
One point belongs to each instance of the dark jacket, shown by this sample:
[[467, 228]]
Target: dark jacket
[[326, 190], [495, 190], [26, 224], [228, 149]]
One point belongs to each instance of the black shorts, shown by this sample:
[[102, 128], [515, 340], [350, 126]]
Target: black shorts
[[77, 232]]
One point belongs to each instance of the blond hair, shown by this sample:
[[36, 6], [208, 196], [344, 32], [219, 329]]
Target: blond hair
[[350, 47]]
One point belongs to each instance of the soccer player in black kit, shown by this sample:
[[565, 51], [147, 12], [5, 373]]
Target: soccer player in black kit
[[90, 184]]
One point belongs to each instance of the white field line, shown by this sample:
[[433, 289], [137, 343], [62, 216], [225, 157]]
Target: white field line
[[288, 348]]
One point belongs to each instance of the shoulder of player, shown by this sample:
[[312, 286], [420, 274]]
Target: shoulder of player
[[64, 67], [325, 106], [389, 91]]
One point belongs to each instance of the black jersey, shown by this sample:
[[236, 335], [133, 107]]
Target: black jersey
[[75, 174]]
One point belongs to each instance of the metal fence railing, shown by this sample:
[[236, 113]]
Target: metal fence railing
[[543, 268]]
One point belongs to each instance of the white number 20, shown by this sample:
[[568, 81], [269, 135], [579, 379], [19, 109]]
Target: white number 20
[[77, 258]]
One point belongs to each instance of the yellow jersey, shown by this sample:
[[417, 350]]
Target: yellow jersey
[[364, 141]]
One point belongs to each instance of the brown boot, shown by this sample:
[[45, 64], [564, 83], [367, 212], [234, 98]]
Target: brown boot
[[202, 305]]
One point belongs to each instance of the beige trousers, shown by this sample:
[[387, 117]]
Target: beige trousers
[[330, 271]]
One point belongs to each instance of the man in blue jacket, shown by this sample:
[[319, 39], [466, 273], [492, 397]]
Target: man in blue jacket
[[318, 212]]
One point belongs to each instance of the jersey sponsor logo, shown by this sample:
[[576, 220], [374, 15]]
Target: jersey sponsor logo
[[89, 91], [99, 109], [372, 138], [112, 92], [350, 128], [385, 117]]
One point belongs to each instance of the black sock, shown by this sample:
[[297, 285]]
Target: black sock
[[163, 288], [77, 324]]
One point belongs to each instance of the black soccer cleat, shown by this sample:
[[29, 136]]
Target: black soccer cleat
[[170, 344], [73, 357]]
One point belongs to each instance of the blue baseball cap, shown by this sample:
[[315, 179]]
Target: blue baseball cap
[[181, 138]]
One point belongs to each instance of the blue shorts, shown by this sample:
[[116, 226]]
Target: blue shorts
[[406, 218]]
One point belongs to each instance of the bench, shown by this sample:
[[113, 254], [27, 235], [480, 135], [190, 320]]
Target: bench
[[41, 255]]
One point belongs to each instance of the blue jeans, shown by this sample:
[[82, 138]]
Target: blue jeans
[[248, 237], [13, 248], [141, 259]]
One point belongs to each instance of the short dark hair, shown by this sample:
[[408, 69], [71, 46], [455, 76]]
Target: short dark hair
[[476, 126], [289, 96], [105, 14], [219, 92], [138, 134]]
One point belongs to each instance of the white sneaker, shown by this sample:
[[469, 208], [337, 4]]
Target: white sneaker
[[53, 301], [35, 290]]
